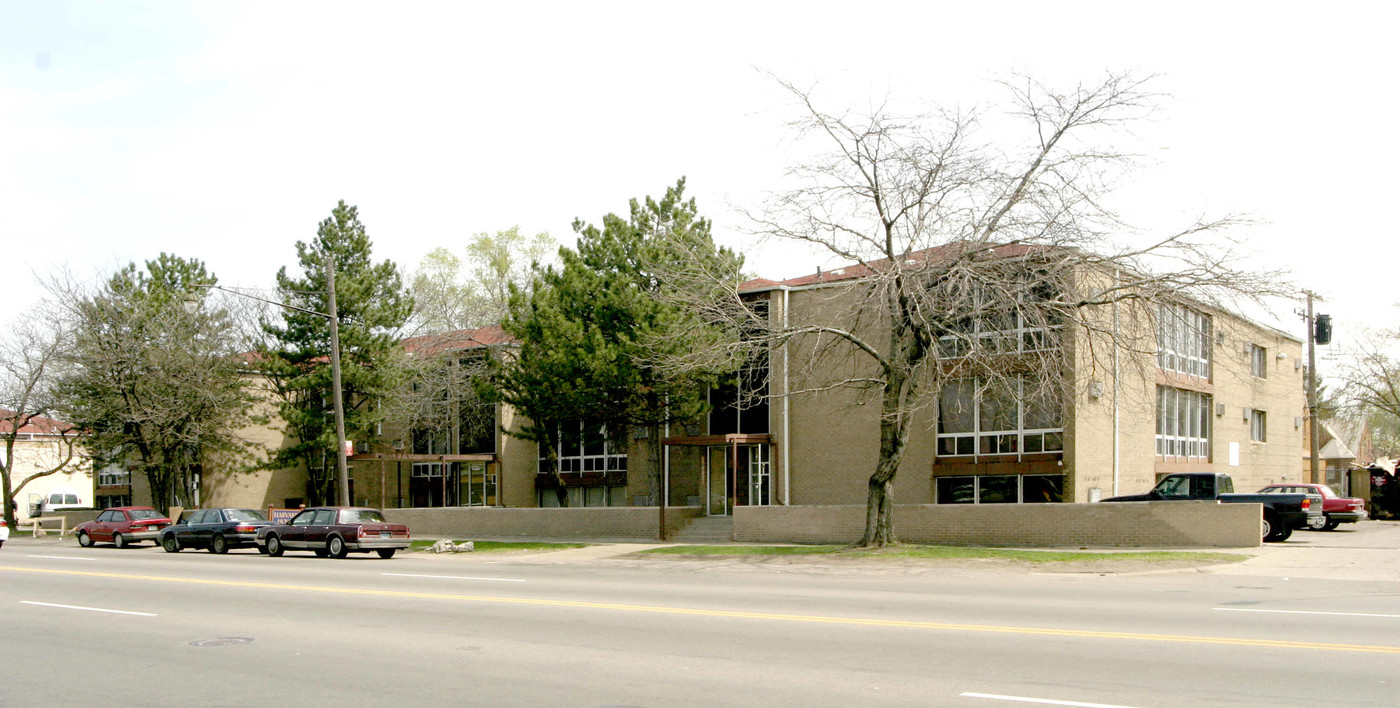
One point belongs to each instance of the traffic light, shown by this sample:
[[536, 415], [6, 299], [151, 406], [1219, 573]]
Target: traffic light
[[1322, 329]]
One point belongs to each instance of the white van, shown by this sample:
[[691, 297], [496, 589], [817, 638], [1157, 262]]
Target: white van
[[54, 501]]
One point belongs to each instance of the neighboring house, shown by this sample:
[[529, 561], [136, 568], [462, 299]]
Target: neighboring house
[[41, 445], [1343, 445]]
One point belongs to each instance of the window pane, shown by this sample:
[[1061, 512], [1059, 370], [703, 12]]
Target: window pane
[[997, 411], [1040, 489], [956, 490], [997, 489], [955, 407]]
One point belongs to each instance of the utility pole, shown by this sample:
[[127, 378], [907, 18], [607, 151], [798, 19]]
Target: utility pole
[[1313, 424], [342, 467]]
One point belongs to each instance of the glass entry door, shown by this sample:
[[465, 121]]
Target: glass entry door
[[717, 475], [753, 487]]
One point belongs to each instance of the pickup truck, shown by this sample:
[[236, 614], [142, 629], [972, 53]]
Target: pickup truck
[[1282, 512]]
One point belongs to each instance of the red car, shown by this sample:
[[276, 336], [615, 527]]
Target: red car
[[1336, 510], [335, 531], [122, 525]]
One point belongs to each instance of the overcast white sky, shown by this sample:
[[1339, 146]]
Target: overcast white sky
[[226, 131]]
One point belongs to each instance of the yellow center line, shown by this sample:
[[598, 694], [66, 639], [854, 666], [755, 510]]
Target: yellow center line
[[814, 619]]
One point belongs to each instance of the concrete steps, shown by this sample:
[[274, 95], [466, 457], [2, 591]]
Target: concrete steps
[[706, 529]]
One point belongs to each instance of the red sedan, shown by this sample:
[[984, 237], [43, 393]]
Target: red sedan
[[1336, 510], [122, 525]]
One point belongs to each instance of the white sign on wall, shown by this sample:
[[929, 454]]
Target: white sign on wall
[[1234, 454]]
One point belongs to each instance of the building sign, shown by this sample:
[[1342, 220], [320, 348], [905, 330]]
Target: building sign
[[281, 516]]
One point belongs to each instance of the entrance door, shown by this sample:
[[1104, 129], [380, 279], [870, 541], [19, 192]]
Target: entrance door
[[754, 486], [717, 481]]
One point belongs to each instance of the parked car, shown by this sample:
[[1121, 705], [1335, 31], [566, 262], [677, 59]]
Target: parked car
[[1336, 510], [215, 529], [1282, 512], [335, 531], [122, 525], [4, 532]]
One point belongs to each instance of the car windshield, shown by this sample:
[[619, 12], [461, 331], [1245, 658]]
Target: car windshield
[[142, 514], [360, 516], [244, 515]]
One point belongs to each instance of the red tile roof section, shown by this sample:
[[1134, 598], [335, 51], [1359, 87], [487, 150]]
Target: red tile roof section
[[852, 272], [37, 425], [488, 336]]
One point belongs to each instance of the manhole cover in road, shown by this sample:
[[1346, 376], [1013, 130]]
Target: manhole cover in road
[[221, 641]]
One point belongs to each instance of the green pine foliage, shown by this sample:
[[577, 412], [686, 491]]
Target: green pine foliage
[[598, 337], [373, 306]]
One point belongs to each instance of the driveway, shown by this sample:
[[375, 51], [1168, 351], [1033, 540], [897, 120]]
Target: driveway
[[1368, 550]]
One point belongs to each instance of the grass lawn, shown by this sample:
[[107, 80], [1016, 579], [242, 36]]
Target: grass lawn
[[497, 546], [956, 553]]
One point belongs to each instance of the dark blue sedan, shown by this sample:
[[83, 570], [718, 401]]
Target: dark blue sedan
[[215, 529]]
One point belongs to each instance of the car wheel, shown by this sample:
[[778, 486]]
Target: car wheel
[[1266, 528], [386, 553], [118, 540], [1317, 524], [335, 547], [1283, 533], [169, 543], [218, 544], [84, 539], [274, 545], [1331, 525]]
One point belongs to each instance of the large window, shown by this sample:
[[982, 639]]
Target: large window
[[1000, 489], [1183, 340], [113, 476], [740, 405], [1183, 423], [978, 419], [1019, 320], [586, 449]]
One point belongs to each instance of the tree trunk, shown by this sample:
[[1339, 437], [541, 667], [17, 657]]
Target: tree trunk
[[11, 514], [879, 505]]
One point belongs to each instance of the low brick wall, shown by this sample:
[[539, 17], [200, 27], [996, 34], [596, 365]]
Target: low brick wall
[[1126, 524], [611, 523]]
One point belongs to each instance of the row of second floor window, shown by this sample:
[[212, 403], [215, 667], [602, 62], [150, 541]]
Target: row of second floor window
[[977, 418], [113, 477], [584, 448], [1184, 424]]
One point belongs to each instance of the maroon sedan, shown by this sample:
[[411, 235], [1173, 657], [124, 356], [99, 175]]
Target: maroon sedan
[[122, 525], [335, 531], [1336, 510]]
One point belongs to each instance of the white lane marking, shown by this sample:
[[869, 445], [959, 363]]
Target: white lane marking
[[88, 609], [64, 558], [1303, 612], [1042, 701], [453, 577]]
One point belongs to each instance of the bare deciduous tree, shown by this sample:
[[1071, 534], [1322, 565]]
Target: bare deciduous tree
[[32, 360], [993, 265]]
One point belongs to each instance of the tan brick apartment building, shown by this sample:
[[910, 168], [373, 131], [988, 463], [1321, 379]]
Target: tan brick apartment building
[[1223, 394]]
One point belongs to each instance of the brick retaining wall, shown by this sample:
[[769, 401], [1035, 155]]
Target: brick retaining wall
[[1131, 524], [613, 523]]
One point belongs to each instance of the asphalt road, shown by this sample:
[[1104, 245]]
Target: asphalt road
[[102, 626]]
